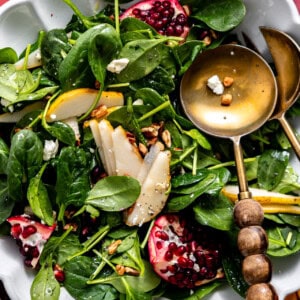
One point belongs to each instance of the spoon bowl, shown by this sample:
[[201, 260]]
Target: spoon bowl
[[253, 91], [286, 56]]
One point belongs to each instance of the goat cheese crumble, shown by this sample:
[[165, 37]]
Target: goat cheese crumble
[[50, 149], [215, 84], [117, 65]]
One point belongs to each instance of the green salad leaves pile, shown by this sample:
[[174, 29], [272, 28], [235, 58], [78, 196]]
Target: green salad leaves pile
[[70, 182]]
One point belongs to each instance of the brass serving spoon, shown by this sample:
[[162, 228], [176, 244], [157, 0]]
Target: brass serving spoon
[[286, 56], [254, 94]]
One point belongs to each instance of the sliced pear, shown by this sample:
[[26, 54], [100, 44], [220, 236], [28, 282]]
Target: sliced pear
[[153, 194], [73, 123], [148, 161], [105, 132], [96, 134], [262, 196], [16, 116], [34, 60], [76, 102], [128, 158]]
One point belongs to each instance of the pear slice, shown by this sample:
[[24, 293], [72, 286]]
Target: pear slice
[[148, 161], [13, 117], [76, 102], [34, 60], [105, 133], [96, 134], [153, 194], [261, 195], [128, 158]]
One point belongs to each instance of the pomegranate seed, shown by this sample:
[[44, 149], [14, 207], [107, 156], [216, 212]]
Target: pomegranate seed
[[203, 271], [136, 12], [33, 251], [16, 230], [181, 19], [163, 271], [172, 268], [166, 4], [159, 24], [170, 30], [157, 4], [172, 279], [59, 276], [172, 247], [178, 30], [28, 230], [170, 218], [162, 235], [155, 16], [168, 255], [182, 262], [180, 276], [159, 245], [180, 250]]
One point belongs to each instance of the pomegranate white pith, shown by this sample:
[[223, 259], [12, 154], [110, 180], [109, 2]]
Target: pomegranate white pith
[[183, 255], [167, 17]]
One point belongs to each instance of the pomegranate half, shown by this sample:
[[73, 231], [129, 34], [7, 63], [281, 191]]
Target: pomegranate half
[[183, 254], [167, 17]]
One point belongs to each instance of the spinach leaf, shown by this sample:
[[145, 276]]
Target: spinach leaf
[[104, 46], [5, 203], [283, 240], [38, 198], [232, 261], [62, 131], [75, 71], [44, 285], [186, 53], [189, 194], [4, 154], [8, 56], [159, 80], [271, 168], [54, 45], [214, 212], [144, 56], [220, 15], [24, 162], [114, 193], [73, 183], [78, 271]]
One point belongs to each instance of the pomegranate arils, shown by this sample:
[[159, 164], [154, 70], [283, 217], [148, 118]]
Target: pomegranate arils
[[28, 230], [183, 254], [167, 17], [30, 236]]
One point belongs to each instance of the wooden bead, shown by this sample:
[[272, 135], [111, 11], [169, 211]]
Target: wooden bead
[[257, 268], [248, 212], [252, 240], [261, 291]]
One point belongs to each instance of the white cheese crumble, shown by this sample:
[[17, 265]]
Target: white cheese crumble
[[50, 149], [117, 65], [215, 84]]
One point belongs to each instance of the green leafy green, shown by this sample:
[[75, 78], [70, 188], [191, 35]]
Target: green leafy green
[[114, 193]]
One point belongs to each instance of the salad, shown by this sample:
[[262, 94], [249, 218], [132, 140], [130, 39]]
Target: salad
[[108, 189]]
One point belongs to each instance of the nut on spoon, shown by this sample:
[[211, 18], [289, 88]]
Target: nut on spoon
[[286, 56], [254, 94]]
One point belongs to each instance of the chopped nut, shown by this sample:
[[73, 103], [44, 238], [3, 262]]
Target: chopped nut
[[99, 112], [132, 271], [207, 40], [166, 137], [228, 81], [112, 248], [226, 99], [150, 131], [143, 149], [74, 226], [120, 269]]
